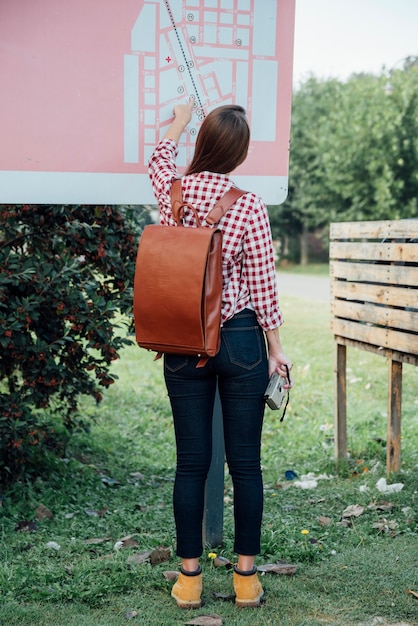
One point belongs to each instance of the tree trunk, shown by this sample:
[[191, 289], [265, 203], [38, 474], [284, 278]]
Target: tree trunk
[[285, 250], [303, 240]]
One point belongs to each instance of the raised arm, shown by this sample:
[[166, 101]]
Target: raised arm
[[182, 116]]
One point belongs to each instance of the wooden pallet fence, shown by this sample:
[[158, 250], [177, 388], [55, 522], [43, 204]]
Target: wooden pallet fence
[[374, 306]]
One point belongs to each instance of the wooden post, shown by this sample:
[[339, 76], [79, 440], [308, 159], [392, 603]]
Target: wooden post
[[393, 454], [214, 492], [340, 409]]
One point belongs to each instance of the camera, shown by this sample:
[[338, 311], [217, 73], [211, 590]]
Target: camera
[[275, 392]]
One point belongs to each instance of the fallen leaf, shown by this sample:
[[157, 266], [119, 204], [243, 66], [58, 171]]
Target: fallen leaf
[[137, 475], [347, 522], [227, 597], [384, 525], [141, 507], [381, 506], [94, 513], [26, 527], [221, 561], [42, 512], [110, 482], [103, 511], [171, 575], [206, 620], [324, 521], [278, 568], [128, 542], [413, 593], [137, 559], [354, 510], [160, 555], [95, 540], [104, 557]]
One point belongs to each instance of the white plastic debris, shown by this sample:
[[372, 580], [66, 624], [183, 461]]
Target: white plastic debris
[[310, 481], [118, 545], [306, 484], [53, 545], [363, 489], [383, 487]]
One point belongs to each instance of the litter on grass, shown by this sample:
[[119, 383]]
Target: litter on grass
[[383, 487], [310, 480]]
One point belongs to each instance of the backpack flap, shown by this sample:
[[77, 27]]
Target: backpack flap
[[178, 290]]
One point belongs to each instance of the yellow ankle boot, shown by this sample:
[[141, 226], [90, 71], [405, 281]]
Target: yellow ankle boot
[[187, 589], [248, 589]]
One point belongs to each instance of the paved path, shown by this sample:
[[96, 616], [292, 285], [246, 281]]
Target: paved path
[[304, 286]]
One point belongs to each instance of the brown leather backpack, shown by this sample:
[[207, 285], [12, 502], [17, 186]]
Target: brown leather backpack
[[178, 282]]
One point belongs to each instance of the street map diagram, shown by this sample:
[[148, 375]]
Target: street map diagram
[[217, 52], [88, 90]]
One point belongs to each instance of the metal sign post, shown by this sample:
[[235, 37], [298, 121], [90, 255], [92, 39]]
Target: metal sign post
[[214, 492]]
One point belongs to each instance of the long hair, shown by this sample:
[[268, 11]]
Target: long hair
[[222, 142]]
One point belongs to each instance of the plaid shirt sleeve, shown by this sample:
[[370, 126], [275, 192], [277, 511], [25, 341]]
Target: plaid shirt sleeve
[[259, 268], [162, 170]]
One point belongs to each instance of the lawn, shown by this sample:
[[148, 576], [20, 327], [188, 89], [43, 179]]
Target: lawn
[[86, 559]]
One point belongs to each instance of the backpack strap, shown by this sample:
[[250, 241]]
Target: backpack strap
[[176, 198], [223, 204], [218, 211]]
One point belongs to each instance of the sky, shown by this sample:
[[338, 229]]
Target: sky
[[335, 38]]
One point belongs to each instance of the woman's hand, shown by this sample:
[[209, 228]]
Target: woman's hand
[[182, 116], [183, 112], [277, 358], [278, 363]]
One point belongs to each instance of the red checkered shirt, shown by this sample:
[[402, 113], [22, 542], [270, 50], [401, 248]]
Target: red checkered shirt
[[249, 275]]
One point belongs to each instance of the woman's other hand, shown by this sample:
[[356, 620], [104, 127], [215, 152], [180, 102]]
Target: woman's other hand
[[277, 358]]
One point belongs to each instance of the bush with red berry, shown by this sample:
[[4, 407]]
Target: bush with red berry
[[66, 275]]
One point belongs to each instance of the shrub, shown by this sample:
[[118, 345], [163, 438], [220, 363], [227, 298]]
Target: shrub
[[66, 275]]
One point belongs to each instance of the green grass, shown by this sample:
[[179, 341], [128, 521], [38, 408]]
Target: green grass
[[346, 575]]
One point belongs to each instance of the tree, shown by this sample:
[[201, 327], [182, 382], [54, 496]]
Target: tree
[[306, 207], [354, 152], [66, 274]]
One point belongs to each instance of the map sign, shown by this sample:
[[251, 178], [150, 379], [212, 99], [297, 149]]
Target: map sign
[[89, 89]]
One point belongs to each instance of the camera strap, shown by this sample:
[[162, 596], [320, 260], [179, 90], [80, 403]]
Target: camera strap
[[288, 394]]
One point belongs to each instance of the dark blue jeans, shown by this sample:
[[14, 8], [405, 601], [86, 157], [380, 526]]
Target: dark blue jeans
[[240, 368]]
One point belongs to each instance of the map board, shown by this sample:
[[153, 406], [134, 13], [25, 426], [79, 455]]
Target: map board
[[88, 89]]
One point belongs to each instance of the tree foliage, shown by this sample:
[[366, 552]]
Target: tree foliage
[[354, 151], [66, 273]]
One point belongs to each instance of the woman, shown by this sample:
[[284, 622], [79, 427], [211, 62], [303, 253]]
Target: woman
[[241, 368]]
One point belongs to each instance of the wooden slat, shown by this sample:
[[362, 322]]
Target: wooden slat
[[385, 229], [370, 272], [374, 314], [392, 339], [371, 251], [384, 352], [381, 294]]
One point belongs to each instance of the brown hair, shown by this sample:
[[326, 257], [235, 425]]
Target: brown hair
[[222, 142]]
